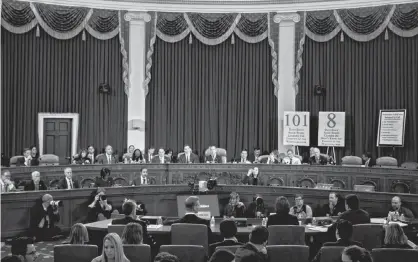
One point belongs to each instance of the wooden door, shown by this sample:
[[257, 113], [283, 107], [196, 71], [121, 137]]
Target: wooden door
[[57, 138]]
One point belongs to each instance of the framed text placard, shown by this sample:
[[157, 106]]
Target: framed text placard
[[391, 130], [331, 129], [296, 128]]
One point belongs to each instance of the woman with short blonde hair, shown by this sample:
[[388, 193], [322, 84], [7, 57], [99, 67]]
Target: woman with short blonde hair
[[132, 234], [112, 250], [78, 235]]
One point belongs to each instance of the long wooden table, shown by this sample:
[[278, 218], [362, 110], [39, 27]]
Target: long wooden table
[[161, 200], [344, 177]]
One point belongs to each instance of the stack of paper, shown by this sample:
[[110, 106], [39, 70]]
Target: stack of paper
[[154, 226]]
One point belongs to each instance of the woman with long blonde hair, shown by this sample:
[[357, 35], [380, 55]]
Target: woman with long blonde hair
[[112, 250], [395, 237], [78, 235]]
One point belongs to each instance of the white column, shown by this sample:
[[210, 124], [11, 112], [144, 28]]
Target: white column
[[137, 61], [286, 96]]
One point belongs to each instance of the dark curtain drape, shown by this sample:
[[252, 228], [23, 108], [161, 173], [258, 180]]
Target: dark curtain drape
[[361, 78], [44, 74], [205, 95]]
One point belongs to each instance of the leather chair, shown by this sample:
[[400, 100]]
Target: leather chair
[[71, 253], [410, 165], [370, 235], [16, 161], [290, 253], [186, 253], [49, 160], [387, 162], [233, 249], [394, 254], [351, 161], [137, 253], [118, 229], [286, 235], [220, 152], [190, 234], [331, 254]]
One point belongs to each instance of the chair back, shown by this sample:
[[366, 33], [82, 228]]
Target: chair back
[[233, 249], [351, 161], [116, 216], [186, 253], [386, 161], [394, 254], [71, 253], [370, 235], [49, 160], [97, 157], [290, 253], [118, 229], [286, 235], [14, 161], [190, 234], [137, 253], [410, 165], [331, 254], [219, 152]]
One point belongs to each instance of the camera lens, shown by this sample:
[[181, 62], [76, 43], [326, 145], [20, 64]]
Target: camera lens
[[103, 197]]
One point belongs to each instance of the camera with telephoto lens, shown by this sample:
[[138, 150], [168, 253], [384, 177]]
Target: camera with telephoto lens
[[58, 203], [103, 197]]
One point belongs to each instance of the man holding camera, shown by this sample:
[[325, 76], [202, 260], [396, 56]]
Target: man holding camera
[[43, 217]]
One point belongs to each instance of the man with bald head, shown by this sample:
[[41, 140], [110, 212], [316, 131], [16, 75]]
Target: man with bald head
[[67, 182], [397, 207], [43, 217], [107, 158]]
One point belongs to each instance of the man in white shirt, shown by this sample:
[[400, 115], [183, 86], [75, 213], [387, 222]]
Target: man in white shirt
[[91, 154], [107, 158], [142, 179], [188, 157], [6, 184], [291, 159], [244, 156], [161, 158], [67, 182], [213, 157], [27, 156], [150, 154]]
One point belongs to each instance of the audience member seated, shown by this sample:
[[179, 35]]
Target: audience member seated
[[254, 157], [129, 210], [43, 216], [91, 154], [343, 234], [161, 158], [235, 208], [142, 179], [78, 235], [272, 159], [166, 257], [112, 250], [291, 159], [82, 158], [356, 254], [13, 259], [137, 157], [27, 154], [34, 155], [336, 205], [24, 249], [67, 182], [105, 180], [282, 216], [368, 160], [252, 178], [354, 214], [222, 256], [107, 158], [213, 158], [188, 157], [244, 158], [169, 154], [256, 246], [132, 234], [6, 184], [99, 208], [256, 209], [300, 210], [395, 237], [127, 157], [228, 230], [36, 183], [150, 154], [318, 159], [399, 209]]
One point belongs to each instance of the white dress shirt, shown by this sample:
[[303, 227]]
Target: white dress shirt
[[162, 160], [144, 180], [70, 183], [109, 159]]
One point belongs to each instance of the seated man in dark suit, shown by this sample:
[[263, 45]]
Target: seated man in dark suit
[[67, 182], [343, 234], [213, 157], [188, 157], [142, 179], [255, 156], [43, 217], [336, 205], [161, 158], [272, 158], [107, 158], [399, 208], [368, 159], [282, 216], [36, 183], [317, 158], [129, 210], [256, 247], [228, 230], [354, 214]]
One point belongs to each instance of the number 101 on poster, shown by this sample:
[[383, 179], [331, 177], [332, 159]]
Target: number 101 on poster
[[296, 128]]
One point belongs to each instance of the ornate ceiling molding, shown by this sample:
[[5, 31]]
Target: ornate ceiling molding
[[287, 17], [227, 6], [137, 16]]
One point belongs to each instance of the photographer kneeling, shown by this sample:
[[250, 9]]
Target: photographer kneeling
[[43, 217], [99, 208]]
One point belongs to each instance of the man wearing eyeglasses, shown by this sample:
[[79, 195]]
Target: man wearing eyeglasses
[[23, 248]]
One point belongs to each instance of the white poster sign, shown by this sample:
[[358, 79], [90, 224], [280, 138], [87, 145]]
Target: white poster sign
[[296, 128], [391, 131], [331, 129]]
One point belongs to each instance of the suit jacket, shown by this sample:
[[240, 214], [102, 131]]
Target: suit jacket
[[372, 162], [63, 184], [156, 160], [322, 160], [31, 186], [282, 219], [405, 211], [101, 183], [193, 158], [339, 243], [339, 208], [147, 157], [252, 158], [102, 159], [138, 181], [264, 161], [193, 219], [224, 243], [358, 216], [37, 212], [209, 158], [126, 220], [250, 180], [248, 249]]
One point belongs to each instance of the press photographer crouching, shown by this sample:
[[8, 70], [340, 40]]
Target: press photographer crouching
[[43, 217], [99, 208]]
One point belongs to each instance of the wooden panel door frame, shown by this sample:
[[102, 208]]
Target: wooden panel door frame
[[74, 129]]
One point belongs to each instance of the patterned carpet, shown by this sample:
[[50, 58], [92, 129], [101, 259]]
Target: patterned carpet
[[44, 249]]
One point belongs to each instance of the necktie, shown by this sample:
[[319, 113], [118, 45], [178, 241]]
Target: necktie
[[108, 159], [144, 181], [291, 161], [242, 160], [70, 184], [36, 187]]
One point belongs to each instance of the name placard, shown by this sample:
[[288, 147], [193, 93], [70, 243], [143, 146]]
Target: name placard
[[391, 131], [331, 129], [296, 128]]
